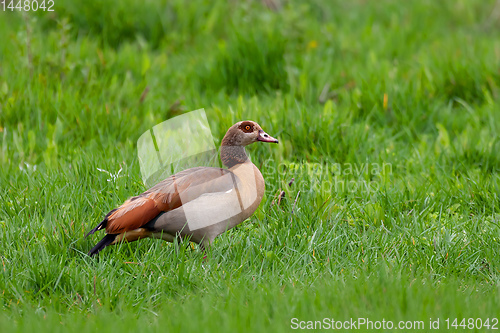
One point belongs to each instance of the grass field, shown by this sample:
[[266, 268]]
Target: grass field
[[388, 118]]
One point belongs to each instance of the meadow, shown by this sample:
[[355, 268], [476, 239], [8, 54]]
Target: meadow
[[388, 118]]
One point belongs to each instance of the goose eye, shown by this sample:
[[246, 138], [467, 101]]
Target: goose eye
[[247, 127]]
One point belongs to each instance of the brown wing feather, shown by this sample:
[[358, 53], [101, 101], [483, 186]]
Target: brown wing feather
[[167, 195], [132, 215]]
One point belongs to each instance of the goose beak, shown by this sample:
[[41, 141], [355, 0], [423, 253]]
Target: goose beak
[[264, 137]]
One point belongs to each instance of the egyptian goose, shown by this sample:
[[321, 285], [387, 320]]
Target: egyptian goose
[[198, 203]]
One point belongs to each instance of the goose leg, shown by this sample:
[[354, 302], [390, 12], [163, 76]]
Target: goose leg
[[204, 246]]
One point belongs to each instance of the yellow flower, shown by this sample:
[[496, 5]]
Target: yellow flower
[[312, 45]]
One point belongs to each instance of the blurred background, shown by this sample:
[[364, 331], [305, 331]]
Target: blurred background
[[316, 73]]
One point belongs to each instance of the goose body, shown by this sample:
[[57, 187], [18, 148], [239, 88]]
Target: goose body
[[198, 203]]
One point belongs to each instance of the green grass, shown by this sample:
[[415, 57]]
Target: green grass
[[408, 89]]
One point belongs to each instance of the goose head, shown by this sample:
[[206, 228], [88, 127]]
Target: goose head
[[244, 133]]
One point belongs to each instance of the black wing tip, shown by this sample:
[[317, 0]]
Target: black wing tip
[[101, 225], [105, 241]]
